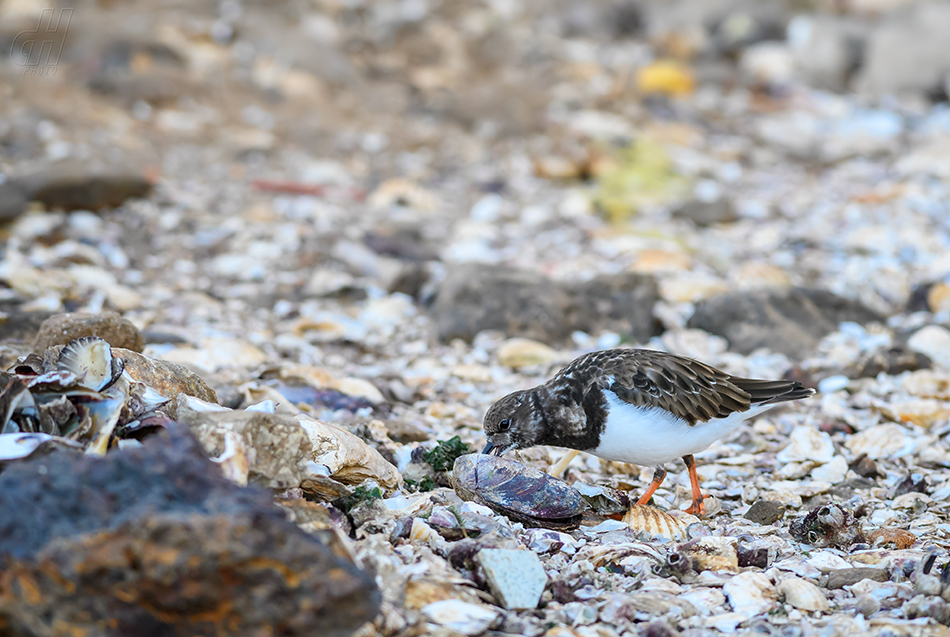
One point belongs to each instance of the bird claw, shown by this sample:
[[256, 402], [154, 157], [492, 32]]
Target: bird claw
[[697, 508]]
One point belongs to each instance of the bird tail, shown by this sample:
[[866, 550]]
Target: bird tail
[[769, 392]]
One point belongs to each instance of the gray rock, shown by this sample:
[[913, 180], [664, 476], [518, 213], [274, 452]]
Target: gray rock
[[477, 297], [118, 331], [826, 48], [707, 213], [890, 360], [847, 576], [88, 185], [13, 200], [765, 512], [791, 321], [516, 578], [907, 52]]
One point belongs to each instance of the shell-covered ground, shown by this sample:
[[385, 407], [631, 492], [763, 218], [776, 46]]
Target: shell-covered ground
[[383, 216]]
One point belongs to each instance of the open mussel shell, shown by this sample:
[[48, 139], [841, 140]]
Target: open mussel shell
[[519, 492], [91, 360], [20, 445]]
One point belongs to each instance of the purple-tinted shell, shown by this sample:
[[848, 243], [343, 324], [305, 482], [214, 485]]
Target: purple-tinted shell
[[517, 491]]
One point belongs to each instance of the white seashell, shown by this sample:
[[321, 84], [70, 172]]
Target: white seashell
[[421, 531], [826, 561], [20, 445], [657, 523], [883, 441], [833, 472], [932, 341], [462, 617], [750, 594], [90, 360], [807, 444], [803, 595]]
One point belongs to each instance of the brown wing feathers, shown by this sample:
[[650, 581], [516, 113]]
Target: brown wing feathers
[[692, 390]]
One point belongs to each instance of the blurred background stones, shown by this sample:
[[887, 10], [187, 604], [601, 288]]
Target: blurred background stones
[[326, 236]]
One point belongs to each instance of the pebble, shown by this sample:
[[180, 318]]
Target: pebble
[[839, 578], [765, 512], [524, 352], [516, 578]]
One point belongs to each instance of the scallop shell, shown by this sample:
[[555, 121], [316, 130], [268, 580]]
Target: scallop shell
[[657, 523], [90, 359], [803, 595], [519, 492]]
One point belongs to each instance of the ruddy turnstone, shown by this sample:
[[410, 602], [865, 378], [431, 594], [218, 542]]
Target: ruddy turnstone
[[634, 405]]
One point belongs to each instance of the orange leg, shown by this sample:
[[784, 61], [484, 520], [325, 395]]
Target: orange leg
[[697, 508], [659, 474]]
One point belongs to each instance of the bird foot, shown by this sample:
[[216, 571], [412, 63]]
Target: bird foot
[[697, 508]]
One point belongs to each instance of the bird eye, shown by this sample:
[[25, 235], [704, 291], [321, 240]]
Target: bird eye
[[504, 425]]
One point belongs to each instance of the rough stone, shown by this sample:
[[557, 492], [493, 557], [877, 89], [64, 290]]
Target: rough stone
[[477, 297], [826, 49], [791, 321], [891, 360], [154, 541], [13, 200], [907, 52], [22, 327], [847, 576], [279, 447], [168, 379], [75, 184], [707, 213], [516, 578], [59, 329], [765, 512]]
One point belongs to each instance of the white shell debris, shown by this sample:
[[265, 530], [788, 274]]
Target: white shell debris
[[20, 445], [807, 444], [462, 617], [750, 594], [803, 595]]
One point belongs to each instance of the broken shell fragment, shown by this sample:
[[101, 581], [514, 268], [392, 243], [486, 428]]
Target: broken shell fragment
[[803, 595], [14, 446], [658, 524], [521, 493], [90, 359]]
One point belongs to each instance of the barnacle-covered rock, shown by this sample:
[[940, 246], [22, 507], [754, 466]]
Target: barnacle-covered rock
[[828, 525], [519, 492]]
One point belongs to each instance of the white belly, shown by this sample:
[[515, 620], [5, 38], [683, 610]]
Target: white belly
[[651, 436]]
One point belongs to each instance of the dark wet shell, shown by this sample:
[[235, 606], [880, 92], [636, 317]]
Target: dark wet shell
[[517, 491]]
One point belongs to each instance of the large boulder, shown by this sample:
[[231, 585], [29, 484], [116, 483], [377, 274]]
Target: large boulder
[[155, 541], [791, 321], [476, 297]]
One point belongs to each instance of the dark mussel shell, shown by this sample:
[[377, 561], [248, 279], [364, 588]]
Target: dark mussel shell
[[519, 492]]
